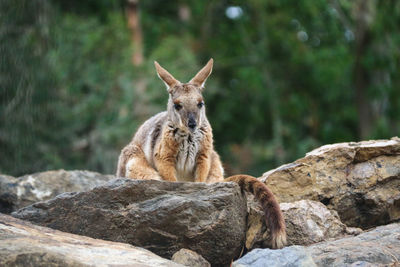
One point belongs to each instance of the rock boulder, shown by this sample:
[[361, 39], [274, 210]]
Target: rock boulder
[[294, 256], [163, 217], [361, 181], [307, 222], [190, 258], [24, 244], [16, 193], [378, 247]]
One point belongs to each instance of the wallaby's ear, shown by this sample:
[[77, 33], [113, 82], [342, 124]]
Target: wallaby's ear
[[165, 76], [203, 74]]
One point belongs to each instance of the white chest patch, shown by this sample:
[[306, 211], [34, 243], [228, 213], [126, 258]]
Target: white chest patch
[[186, 159]]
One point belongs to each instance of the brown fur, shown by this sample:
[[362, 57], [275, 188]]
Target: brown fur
[[273, 214], [177, 145]]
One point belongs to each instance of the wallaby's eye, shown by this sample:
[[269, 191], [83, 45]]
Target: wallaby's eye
[[177, 106], [200, 104]]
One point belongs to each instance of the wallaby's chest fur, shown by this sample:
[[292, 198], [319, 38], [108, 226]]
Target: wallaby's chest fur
[[150, 138], [189, 145]]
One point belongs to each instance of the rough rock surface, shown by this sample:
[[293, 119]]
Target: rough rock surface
[[307, 222], [378, 247], [294, 256], [190, 258], [16, 193], [163, 217], [24, 244], [361, 181]]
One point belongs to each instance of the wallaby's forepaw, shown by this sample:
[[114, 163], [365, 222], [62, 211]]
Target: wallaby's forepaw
[[278, 239]]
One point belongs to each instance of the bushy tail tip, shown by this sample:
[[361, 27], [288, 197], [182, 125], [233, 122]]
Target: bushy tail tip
[[273, 214]]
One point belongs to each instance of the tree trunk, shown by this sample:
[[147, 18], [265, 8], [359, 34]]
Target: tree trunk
[[274, 104], [363, 13], [132, 11], [270, 85], [361, 83], [140, 109]]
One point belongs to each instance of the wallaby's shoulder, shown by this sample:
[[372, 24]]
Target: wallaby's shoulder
[[154, 124]]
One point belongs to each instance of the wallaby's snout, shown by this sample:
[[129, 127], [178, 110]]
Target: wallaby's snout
[[192, 122]]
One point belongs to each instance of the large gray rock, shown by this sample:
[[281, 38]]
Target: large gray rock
[[24, 244], [307, 222], [16, 193], [294, 256], [361, 181], [378, 247], [163, 217]]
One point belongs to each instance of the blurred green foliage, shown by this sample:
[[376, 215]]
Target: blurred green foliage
[[284, 80]]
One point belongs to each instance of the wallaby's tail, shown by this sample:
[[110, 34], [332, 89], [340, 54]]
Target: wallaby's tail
[[272, 211]]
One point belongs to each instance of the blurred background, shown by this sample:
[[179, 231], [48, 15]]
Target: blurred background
[[77, 77]]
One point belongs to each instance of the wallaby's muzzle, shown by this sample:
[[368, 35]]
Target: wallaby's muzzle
[[192, 122]]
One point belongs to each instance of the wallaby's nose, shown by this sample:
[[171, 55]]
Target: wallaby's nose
[[192, 123]]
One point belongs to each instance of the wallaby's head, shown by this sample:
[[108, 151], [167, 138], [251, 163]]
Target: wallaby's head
[[185, 104]]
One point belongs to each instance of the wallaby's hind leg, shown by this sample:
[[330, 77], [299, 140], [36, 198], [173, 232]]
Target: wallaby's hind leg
[[132, 163], [216, 173]]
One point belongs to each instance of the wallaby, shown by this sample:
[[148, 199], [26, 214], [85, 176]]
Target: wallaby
[[177, 145]]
